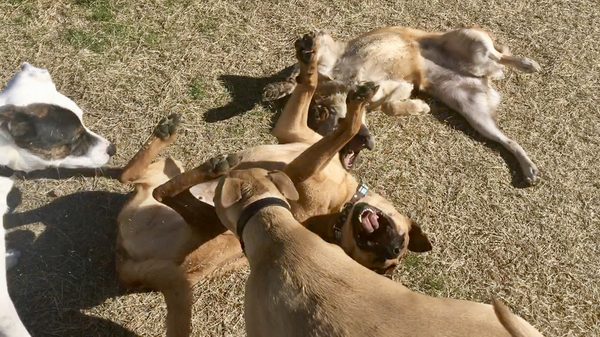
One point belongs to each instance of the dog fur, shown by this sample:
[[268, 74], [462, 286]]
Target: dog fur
[[159, 249], [39, 128], [300, 285], [456, 67]]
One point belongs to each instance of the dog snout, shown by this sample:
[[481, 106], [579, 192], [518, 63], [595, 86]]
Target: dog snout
[[111, 150]]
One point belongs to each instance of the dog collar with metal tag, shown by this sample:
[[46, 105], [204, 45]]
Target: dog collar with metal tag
[[361, 191]]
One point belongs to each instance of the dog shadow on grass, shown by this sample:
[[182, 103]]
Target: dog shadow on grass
[[246, 93], [454, 120], [69, 267]]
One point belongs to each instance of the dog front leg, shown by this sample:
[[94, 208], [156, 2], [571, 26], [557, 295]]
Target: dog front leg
[[317, 156], [393, 98], [163, 135], [209, 170], [292, 125]]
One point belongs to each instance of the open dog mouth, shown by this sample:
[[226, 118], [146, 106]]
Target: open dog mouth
[[369, 220], [349, 153], [376, 232]]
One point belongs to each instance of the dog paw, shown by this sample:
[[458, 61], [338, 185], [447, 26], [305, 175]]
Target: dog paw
[[531, 175], [363, 92], [220, 165], [277, 90], [530, 66], [306, 48], [12, 258], [419, 107], [167, 126]]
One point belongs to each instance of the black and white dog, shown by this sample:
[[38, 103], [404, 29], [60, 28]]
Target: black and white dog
[[39, 128]]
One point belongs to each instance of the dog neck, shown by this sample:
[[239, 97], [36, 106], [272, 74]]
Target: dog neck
[[329, 226], [265, 228]]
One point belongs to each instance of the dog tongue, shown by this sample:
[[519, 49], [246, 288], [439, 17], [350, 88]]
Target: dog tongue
[[370, 221]]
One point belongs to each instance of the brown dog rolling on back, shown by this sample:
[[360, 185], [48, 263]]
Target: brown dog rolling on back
[[300, 285], [457, 67], [158, 248]]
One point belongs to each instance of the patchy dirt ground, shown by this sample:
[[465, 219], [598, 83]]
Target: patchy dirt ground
[[128, 63]]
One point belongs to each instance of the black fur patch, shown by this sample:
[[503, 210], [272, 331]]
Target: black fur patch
[[48, 131]]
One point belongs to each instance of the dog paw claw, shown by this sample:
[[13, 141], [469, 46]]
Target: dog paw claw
[[167, 126], [363, 92]]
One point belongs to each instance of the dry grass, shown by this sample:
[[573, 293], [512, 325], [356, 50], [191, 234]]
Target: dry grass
[[130, 62]]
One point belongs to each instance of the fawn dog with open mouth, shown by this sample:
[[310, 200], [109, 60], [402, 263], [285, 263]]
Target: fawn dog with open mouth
[[159, 249], [300, 285], [456, 67]]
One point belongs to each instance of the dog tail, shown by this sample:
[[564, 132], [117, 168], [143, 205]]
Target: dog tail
[[170, 279], [515, 325]]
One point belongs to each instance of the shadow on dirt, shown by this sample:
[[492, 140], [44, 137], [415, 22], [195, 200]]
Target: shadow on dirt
[[69, 267], [246, 93]]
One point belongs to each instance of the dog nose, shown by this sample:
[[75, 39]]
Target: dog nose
[[368, 140], [394, 250], [111, 150]]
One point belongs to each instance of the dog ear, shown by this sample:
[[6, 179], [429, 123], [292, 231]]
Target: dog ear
[[284, 184], [417, 240], [231, 191]]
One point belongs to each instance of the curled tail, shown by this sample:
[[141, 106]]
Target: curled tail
[[515, 325]]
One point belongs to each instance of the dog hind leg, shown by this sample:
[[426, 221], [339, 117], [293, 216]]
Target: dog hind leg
[[170, 279], [393, 97], [521, 63], [478, 109]]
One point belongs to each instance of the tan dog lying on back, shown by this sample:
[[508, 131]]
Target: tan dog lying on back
[[456, 67], [299, 285]]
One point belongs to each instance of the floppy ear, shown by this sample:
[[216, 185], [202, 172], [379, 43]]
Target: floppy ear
[[231, 191], [284, 184], [417, 240]]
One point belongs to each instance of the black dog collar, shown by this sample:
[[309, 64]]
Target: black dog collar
[[361, 192], [253, 208]]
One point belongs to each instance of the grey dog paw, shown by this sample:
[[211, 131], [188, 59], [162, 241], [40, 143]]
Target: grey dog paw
[[531, 175], [277, 90], [220, 165], [167, 126], [363, 92], [530, 66], [306, 48]]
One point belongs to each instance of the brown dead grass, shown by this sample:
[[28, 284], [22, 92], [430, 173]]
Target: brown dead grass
[[127, 63]]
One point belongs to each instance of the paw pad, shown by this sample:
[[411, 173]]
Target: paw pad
[[305, 47], [167, 126], [363, 92]]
